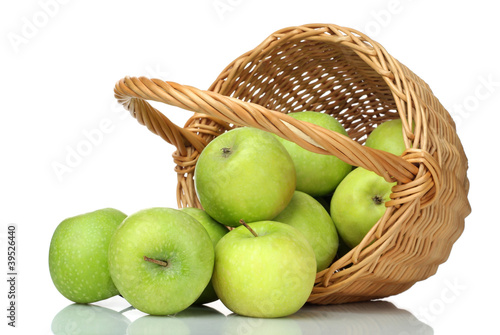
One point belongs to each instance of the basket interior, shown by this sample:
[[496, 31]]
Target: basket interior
[[314, 75]]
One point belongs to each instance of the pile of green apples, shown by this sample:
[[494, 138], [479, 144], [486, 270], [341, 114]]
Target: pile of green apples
[[274, 215]]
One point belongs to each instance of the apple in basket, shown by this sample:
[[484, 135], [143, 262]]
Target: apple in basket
[[317, 174], [359, 200], [264, 269], [245, 173], [310, 217], [358, 203], [388, 136]]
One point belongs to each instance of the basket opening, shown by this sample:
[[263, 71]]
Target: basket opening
[[317, 75]]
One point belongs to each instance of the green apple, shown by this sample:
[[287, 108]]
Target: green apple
[[266, 273], [89, 319], [78, 255], [310, 217], [161, 260], [317, 174], [216, 231], [246, 174], [388, 136], [358, 203]]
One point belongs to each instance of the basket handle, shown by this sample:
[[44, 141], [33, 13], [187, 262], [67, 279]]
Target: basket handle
[[415, 171]]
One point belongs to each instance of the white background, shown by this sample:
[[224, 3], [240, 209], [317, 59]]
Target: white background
[[61, 59]]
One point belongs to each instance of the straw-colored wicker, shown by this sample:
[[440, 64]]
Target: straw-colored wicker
[[339, 71]]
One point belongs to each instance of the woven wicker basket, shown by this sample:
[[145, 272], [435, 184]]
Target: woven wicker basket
[[342, 72]]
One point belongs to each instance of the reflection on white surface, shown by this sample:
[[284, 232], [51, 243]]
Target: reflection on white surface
[[374, 318], [377, 317], [237, 325], [194, 320], [89, 319]]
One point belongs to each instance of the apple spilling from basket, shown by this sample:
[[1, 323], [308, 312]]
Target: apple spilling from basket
[[274, 215]]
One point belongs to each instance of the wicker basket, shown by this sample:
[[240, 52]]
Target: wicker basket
[[342, 72]]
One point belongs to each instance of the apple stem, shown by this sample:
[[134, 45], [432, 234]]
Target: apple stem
[[249, 228], [162, 263]]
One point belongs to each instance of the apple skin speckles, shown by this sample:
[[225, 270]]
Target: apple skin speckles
[[78, 255]]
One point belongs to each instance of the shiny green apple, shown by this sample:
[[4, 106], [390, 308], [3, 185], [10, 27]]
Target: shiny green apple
[[267, 275], [78, 255], [358, 203], [388, 136], [161, 260], [246, 174], [310, 217], [216, 231], [317, 174]]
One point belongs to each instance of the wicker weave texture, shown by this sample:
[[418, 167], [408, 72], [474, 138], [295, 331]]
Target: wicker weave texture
[[341, 72]]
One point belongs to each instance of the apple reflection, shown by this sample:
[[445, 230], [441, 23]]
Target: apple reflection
[[374, 318], [90, 320], [237, 325], [193, 320]]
